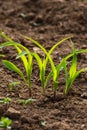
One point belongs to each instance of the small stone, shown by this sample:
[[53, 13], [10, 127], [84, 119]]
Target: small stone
[[22, 15], [38, 50], [84, 95], [12, 113], [39, 19], [82, 126], [2, 98]]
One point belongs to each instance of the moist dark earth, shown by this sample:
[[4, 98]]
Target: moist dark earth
[[47, 21]]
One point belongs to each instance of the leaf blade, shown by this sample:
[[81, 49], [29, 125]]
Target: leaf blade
[[23, 58], [12, 67]]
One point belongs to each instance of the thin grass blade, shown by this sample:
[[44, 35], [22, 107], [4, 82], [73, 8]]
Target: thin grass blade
[[38, 59], [78, 73], [13, 67], [23, 58], [74, 64], [5, 36], [5, 44], [23, 53]]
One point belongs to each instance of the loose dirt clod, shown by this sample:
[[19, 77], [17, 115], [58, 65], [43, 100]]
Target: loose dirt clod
[[12, 113]]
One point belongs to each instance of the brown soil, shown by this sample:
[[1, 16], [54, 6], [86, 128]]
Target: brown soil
[[46, 21]]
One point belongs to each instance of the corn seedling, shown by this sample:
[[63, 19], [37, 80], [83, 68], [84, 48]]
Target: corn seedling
[[26, 102], [5, 100], [55, 69], [12, 85], [28, 64], [42, 67], [5, 123], [42, 64], [27, 61], [63, 64], [26, 56], [73, 73]]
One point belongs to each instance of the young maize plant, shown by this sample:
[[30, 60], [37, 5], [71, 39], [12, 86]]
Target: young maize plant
[[73, 73], [56, 69], [26, 102], [5, 100], [62, 65], [12, 85], [42, 64], [27, 61], [42, 68], [5, 123]]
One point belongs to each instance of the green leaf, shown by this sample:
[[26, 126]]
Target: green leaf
[[48, 78], [42, 76], [61, 64], [58, 43], [44, 50], [28, 101], [23, 53], [23, 58], [12, 85], [5, 36], [29, 69], [5, 122], [13, 67], [7, 100], [10, 42], [78, 73], [38, 59], [48, 54], [5, 44], [74, 64], [42, 69]]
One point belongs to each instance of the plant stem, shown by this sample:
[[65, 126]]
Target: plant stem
[[54, 95], [30, 93]]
